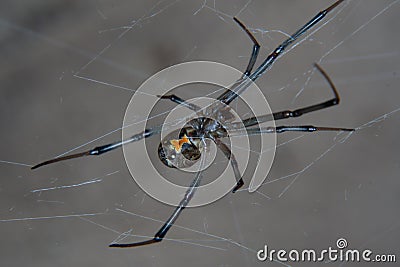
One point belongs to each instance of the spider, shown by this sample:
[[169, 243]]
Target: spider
[[187, 148]]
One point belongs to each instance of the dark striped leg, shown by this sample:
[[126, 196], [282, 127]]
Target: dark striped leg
[[158, 237], [280, 115], [253, 58], [103, 149], [227, 98], [282, 129], [228, 153], [249, 68], [180, 101], [254, 52]]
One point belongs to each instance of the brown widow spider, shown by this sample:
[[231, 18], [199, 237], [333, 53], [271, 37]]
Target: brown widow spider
[[187, 149]]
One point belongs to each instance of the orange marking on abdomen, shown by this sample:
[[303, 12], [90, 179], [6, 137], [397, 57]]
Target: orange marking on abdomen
[[178, 143]]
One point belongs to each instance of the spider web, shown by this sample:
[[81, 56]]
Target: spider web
[[72, 68]]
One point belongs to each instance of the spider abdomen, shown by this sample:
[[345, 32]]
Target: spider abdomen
[[181, 148]]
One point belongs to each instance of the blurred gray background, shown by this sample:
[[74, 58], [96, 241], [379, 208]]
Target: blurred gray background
[[69, 69]]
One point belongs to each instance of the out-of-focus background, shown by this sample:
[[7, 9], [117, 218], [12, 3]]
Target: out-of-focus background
[[69, 69]]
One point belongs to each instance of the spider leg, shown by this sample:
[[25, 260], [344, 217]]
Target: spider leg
[[254, 52], [176, 99], [250, 65], [282, 129], [331, 102], [158, 237], [228, 97], [105, 148], [298, 112], [228, 153]]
